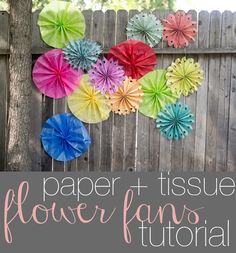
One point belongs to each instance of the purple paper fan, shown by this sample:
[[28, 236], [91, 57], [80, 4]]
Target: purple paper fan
[[106, 75]]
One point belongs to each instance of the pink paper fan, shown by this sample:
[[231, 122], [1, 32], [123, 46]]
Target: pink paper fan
[[53, 76], [179, 29], [106, 75]]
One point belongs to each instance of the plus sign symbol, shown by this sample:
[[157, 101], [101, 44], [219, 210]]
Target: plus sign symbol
[[139, 187]]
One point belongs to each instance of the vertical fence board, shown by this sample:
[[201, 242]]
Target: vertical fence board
[[82, 163], [4, 80], [42, 107], [130, 151], [201, 112], [107, 126], [232, 120], [47, 111], [213, 92], [165, 145], [118, 155], [231, 155], [189, 141], [224, 93], [95, 129], [3, 109]]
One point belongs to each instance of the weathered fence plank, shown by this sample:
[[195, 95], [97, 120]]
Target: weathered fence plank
[[201, 106], [4, 43], [107, 126], [119, 121], [213, 92], [130, 152], [95, 129], [224, 93]]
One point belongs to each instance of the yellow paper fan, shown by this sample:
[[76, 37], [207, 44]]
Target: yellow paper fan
[[127, 98], [184, 76], [87, 104]]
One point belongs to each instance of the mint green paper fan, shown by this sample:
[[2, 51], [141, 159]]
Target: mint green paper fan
[[61, 22], [145, 27], [156, 93]]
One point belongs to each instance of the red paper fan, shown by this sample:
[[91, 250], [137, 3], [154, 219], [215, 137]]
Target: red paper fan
[[179, 29], [137, 57]]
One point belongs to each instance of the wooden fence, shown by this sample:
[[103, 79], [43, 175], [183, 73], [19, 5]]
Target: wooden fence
[[132, 143]]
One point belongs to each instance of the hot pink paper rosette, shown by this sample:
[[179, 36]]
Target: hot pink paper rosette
[[106, 75], [53, 76], [179, 29]]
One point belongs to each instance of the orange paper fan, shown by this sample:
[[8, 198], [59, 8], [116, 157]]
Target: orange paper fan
[[127, 98]]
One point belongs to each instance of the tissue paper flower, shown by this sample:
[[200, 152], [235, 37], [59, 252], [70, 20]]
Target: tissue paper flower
[[53, 76], [64, 137], [106, 75], [61, 22], [137, 57], [184, 76], [127, 98], [175, 121], [179, 29], [145, 27], [82, 53], [156, 93], [87, 104]]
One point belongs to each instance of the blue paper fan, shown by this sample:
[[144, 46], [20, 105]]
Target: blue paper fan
[[145, 27], [64, 137], [175, 121], [82, 53]]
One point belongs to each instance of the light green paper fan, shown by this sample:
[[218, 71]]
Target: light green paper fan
[[184, 76], [145, 27], [61, 22], [156, 93]]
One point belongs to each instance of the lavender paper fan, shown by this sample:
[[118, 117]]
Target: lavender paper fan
[[81, 54], [106, 75]]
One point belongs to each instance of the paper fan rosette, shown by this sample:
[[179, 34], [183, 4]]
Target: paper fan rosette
[[64, 137], [175, 121], [82, 53], [184, 76], [179, 29], [87, 104], [106, 75], [137, 57], [127, 98], [61, 22], [156, 93], [53, 76], [145, 27]]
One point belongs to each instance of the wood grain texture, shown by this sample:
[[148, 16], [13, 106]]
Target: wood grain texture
[[131, 124], [107, 126], [4, 81], [213, 92], [119, 121], [231, 154], [224, 93], [96, 129], [201, 112]]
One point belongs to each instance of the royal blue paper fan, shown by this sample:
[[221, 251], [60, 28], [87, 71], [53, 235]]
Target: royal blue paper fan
[[64, 137], [82, 53], [175, 121]]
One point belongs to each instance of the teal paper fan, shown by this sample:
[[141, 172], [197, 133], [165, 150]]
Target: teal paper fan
[[81, 54], [145, 27], [175, 121]]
